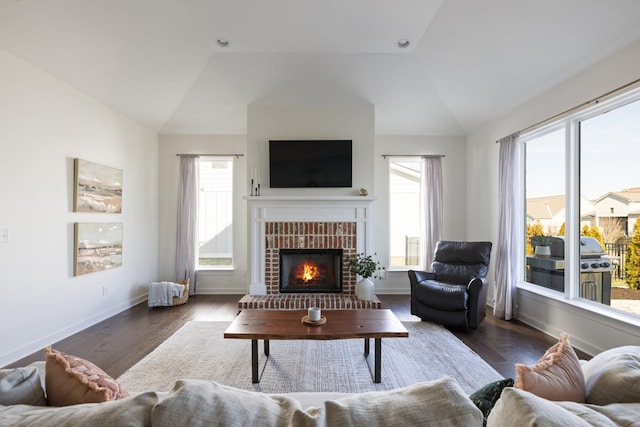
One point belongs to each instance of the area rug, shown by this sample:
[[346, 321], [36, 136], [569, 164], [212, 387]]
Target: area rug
[[199, 351]]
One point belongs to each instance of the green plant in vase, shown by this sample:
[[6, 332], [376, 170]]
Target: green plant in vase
[[365, 266], [541, 244]]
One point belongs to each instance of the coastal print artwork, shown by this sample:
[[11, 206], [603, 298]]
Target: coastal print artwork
[[98, 246], [97, 188]]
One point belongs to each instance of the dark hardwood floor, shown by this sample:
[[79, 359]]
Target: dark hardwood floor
[[121, 341]]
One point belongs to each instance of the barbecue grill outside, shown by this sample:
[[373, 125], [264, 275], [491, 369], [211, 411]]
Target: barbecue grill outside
[[595, 269]]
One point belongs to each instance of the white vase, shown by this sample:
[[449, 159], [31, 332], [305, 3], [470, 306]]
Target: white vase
[[365, 289], [543, 251]]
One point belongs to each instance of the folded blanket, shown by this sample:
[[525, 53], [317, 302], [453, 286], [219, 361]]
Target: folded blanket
[[161, 293]]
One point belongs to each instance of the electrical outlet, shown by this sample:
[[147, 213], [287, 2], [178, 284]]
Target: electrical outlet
[[4, 235], [104, 290]]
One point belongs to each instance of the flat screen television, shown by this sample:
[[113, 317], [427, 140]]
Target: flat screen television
[[310, 163]]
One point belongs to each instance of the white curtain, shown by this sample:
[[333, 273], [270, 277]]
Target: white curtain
[[187, 220], [509, 268], [431, 186]]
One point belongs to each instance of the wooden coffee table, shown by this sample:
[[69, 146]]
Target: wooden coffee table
[[341, 324]]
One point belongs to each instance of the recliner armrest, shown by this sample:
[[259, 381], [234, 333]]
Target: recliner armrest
[[476, 284], [477, 290], [424, 275], [416, 277]]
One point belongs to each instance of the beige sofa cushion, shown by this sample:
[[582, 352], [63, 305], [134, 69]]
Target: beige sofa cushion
[[133, 411], [520, 408], [616, 414], [437, 403], [203, 403]]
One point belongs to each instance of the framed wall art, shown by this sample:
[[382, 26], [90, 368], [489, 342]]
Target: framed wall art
[[97, 188], [97, 246]]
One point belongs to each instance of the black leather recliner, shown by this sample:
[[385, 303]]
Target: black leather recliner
[[454, 293]]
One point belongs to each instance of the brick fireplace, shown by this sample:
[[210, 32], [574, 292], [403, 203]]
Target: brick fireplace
[[308, 235], [284, 222]]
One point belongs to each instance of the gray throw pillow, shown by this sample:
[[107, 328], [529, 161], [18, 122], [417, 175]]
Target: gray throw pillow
[[21, 386]]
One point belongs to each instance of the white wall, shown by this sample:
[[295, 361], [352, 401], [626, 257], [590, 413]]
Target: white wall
[[233, 281], [263, 123], [370, 171], [355, 123], [589, 331], [454, 177], [44, 125]]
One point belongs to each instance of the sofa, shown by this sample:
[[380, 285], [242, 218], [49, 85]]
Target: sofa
[[608, 394], [206, 403]]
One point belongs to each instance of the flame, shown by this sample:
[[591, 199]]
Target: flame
[[309, 272]]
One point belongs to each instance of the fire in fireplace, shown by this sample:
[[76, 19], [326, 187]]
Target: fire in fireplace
[[310, 270]]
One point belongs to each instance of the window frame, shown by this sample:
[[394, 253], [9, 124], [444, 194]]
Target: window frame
[[571, 122]]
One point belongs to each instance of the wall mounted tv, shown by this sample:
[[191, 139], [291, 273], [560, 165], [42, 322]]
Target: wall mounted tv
[[310, 163]]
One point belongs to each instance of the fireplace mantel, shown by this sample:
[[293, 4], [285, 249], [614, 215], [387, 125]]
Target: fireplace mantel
[[309, 198], [264, 209]]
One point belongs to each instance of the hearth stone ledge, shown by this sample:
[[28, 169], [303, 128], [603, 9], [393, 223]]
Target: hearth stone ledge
[[304, 301]]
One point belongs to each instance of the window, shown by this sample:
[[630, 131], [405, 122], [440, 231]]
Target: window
[[405, 218], [583, 188], [215, 213], [545, 206], [609, 153]]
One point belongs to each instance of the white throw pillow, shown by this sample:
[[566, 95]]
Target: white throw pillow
[[613, 376]]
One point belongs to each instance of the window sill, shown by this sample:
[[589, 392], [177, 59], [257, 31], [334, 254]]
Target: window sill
[[593, 307], [404, 269], [210, 268]]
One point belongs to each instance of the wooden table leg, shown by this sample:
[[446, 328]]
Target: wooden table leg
[[266, 348], [366, 346]]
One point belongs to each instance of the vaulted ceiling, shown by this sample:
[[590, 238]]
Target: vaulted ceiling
[[468, 61]]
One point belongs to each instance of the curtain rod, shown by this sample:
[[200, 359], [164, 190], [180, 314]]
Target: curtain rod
[[236, 155], [427, 156], [577, 107]]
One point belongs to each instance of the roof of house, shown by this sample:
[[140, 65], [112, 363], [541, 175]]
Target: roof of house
[[629, 195], [548, 207], [545, 207]]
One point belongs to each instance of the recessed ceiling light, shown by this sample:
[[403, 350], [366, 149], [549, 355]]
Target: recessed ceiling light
[[403, 43], [223, 42]]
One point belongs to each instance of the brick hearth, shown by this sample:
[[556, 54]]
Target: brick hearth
[[304, 301]]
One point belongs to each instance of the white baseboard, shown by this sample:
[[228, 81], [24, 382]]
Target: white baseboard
[[60, 334]]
